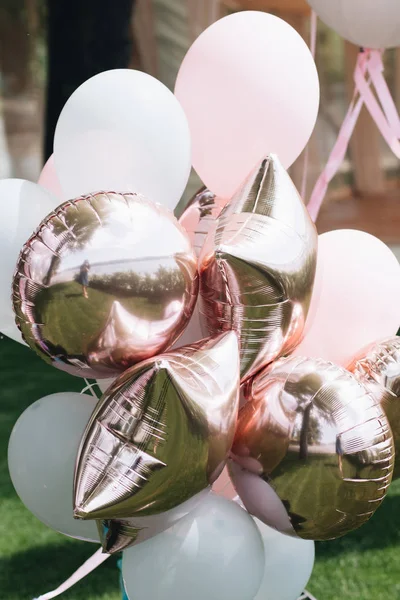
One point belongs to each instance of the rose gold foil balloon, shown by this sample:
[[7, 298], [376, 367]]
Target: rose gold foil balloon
[[161, 433], [200, 215], [313, 450], [106, 281], [378, 368], [257, 267]]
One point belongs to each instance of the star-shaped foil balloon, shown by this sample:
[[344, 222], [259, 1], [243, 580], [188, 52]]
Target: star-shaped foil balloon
[[161, 433], [257, 267]]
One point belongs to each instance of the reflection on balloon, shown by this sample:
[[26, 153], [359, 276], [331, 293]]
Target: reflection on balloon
[[24, 205], [378, 368], [257, 267], [312, 421], [41, 459], [289, 563], [216, 552], [161, 433], [107, 281]]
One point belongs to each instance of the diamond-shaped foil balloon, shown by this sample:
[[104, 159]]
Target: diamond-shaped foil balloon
[[106, 281], [257, 267], [161, 433], [378, 368], [313, 451]]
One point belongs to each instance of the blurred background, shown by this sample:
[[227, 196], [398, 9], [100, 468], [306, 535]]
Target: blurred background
[[47, 49]]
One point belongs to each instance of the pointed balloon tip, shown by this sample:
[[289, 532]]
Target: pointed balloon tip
[[80, 514]]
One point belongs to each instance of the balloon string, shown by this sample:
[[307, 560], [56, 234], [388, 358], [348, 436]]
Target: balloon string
[[384, 113], [387, 120], [90, 565], [90, 386], [313, 44], [339, 150]]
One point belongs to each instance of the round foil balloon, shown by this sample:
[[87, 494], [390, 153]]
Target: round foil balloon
[[200, 215], [313, 451], [378, 368], [106, 281], [161, 433], [257, 267]]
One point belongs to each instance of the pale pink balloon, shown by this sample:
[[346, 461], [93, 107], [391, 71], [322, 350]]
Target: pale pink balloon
[[49, 180], [224, 487], [249, 87], [358, 284]]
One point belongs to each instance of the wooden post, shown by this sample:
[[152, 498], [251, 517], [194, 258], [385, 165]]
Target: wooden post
[[365, 153]]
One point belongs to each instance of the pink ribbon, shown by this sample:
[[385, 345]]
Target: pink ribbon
[[90, 565], [368, 72], [313, 44]]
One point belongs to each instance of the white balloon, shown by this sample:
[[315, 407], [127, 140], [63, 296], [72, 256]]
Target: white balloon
[[367, 23], [41, 459], [289, 563], [215, 552], [24, 205], [123, 130]]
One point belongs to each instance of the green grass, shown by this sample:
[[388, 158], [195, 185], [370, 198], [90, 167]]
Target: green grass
[[361, 566]]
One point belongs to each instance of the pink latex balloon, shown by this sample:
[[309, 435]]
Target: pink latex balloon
[[358, 284], [224, 487], [49, 180], [249, 88]]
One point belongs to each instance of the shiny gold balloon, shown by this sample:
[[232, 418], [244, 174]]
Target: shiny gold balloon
[[200, 215], [313, 450], [106, 281], [161, 433], [257, 267], [378, 368]]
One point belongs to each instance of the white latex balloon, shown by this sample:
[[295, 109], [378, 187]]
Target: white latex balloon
[[123, 130], [216, 552], [289, 563], [41, 459], [23, 205], [367, 23]]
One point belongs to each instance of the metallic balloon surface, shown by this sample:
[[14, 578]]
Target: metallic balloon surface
[[106, 281], [313, 450], [200, 215], [257, 267], [161, 433], [378, 368]]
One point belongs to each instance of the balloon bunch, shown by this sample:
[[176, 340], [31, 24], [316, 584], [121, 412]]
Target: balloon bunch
[[108, 283]]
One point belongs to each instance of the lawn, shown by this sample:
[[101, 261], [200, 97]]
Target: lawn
[[33, 559]]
